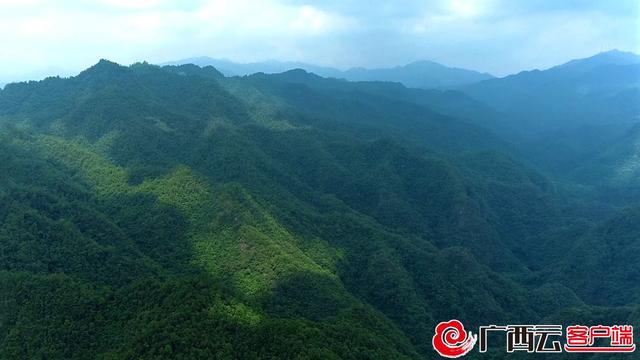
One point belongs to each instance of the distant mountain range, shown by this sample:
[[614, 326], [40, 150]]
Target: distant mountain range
[[419, 74], [35, 75], [604, 88], [579, 120]]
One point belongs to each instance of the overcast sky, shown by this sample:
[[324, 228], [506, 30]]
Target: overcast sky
[[497, 36]]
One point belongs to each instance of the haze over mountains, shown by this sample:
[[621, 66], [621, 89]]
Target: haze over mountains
[[562, 109], [428, 74], [419, 74], [571, 117], [156, 212], [576, 93]]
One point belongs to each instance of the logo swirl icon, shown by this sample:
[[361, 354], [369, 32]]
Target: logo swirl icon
[[451, 341]]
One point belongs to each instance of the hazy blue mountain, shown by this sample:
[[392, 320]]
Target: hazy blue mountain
[[604, 158], [618, 163], [611, 57], [601, 89], [577, 121], [419, 74], [453, 103], [230, 68], [43, 73]]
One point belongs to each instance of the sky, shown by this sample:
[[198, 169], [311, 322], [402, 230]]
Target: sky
[[39, 37]]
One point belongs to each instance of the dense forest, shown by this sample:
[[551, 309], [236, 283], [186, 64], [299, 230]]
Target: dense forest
[[152, 212]]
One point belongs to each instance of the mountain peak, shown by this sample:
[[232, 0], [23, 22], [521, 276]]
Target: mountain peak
[[422, 63], [618, 57], [297, 71], [611, 57], [104, 68], [106, 64], [617, 52], [298, 75]]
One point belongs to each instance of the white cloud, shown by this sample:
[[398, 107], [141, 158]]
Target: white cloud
[[493, 35], [466, 8], [132, 4], [312, 20], [75, 35], [447, 15], [9, 4]]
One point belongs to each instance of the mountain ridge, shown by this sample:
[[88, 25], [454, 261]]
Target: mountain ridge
[[421, 74], [562, 96]]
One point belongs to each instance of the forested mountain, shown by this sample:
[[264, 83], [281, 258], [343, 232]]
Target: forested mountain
[[419, 74], [577, 121], [231, 68], [173, 212], [602, 89]]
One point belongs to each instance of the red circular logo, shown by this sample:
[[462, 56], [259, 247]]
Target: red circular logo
[[452, 341]]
